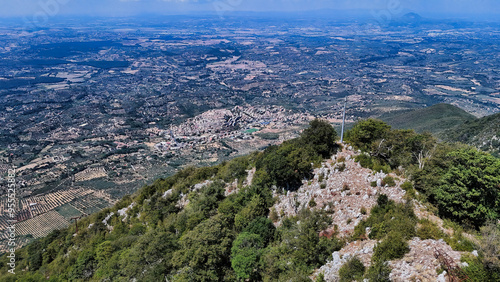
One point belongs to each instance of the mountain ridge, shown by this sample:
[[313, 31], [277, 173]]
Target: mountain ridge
[[291, 212]]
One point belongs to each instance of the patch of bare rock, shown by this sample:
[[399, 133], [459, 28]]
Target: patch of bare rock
[[346, 192], [342, 187]]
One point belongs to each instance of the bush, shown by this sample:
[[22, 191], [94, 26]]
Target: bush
[[407, 186], [476, 270], [288, 164], [312, 203], [387, 217], [463, 182], [378, 166], [382, 200], [353, 269], [364, 160], [429, 230], [379, 271], [341, 167], [322, 185], [273, 215], [389, 181], [394, 246], [263, 227], [321, 177], [373, 184], [363, 210], [490, 245], [320, 278]]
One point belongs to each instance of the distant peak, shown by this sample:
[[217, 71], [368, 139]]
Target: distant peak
[[411, 16]]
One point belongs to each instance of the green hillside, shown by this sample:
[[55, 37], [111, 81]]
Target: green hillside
[[434, 119], [483, 133], [187, 228]]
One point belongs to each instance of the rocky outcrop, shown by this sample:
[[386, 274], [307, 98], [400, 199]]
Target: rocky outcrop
[[344, 188]]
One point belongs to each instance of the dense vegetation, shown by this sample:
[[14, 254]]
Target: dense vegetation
[[434, 119], [452, 124], [462, 182], [177, 230], [483, 133]]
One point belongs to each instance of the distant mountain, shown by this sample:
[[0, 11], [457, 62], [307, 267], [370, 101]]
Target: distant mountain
[[434, 119], [414, 17], [411, 19], [483, 133]]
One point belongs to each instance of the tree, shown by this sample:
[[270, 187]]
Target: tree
[[245, 255], [254, 209], [469, 189], [288, 164], [262, 226], [365, 132], [321, 136], [205, 251]]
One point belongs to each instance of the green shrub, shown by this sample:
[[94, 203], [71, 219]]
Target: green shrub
[[320, 278], [463, 183], [373, 184], [273, 215], [321, 177], [353, 269], [245, 254], [394, 246], [476, 270], [388, 216], [322, 185], [364, 160], [459, 243], [363, 210], [429, 230], [341, 159], [320, 135], [389, 181], [410, 191], [312, 203], [379, 271], [378, 166], [263, 227], [382, 200]]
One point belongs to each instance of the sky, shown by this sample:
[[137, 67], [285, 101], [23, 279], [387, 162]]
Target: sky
[[116, 8]]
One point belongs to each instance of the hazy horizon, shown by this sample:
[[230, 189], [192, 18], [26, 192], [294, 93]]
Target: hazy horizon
[[40, 9]]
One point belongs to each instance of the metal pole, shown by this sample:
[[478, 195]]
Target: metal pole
[[343, 123]]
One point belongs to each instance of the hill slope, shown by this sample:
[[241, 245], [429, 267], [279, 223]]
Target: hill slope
[[483, 133], [434, 119], [278, 215]]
